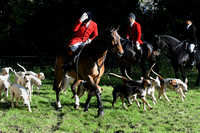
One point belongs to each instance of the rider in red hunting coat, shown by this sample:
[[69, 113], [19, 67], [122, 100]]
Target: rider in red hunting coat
[[134, 34], [85, 31]]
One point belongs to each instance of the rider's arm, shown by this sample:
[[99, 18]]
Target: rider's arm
[[139, 33], [77, 25], [95, 31]]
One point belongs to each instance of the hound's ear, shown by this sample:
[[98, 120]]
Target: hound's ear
[[170, 81]]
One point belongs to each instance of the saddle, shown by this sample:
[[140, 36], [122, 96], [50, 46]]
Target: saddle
[[77, 54], [70, 63], [146, 49]]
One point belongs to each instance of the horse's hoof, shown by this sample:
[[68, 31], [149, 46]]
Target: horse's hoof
[[76, 107], [85, 110], [59, 106], [100, 113]]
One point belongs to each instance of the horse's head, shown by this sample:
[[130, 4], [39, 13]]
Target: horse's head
[[160, 45], [116, 44], [166, 41]]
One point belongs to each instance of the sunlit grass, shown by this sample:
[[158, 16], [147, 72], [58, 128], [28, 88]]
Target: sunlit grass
[[176, 116]]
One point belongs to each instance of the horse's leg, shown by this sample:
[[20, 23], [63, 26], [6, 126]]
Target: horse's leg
[[198, 79], [73, 88], [125, 67], [143, 68], [175, 67], [59, 74], [183, 73], [57, 90], [87, 103], [122, 69], [129, 70], [94, 87]]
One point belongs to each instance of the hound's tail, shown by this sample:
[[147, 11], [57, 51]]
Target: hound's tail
[[21, 67], [110, 80], [16, 74], [157, 74], [118, 76]]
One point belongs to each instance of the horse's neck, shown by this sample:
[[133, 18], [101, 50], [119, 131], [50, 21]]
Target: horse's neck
[[125, 43], [172, 43], [97, 52]]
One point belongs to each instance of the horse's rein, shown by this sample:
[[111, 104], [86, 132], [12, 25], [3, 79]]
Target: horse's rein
[[78, 61], [99, 66]]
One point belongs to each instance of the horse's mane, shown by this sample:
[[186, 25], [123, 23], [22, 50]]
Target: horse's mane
[[180, 44], [101, 42], [171, 37]]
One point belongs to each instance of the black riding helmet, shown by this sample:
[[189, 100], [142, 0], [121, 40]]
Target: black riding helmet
[[188, 18]]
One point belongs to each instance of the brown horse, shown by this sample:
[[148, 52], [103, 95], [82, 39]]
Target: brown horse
[[89, 66]]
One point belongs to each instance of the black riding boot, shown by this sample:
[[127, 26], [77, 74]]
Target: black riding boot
[[193, 59], [68, 63], [139, 55]]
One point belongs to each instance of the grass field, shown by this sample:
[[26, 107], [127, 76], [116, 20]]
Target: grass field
[[177, 116]]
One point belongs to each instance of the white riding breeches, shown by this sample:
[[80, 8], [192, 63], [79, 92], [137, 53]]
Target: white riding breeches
[[75, 46], [138, 46], [191, 48]]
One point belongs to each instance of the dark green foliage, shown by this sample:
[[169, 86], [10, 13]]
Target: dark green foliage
[[44, 27]]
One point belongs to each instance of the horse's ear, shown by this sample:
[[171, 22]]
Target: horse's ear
[[118, 27], [112, 28], [156, 36]]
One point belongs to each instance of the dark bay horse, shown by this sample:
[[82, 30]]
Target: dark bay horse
[[179, 56], [129, 57], [90, 66]]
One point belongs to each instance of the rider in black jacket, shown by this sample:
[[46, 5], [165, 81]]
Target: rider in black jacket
[[190, 37]]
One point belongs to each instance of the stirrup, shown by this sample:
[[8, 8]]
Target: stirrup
[[67, 66]]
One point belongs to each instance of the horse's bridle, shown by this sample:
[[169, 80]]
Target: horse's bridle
[[161, 41]]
